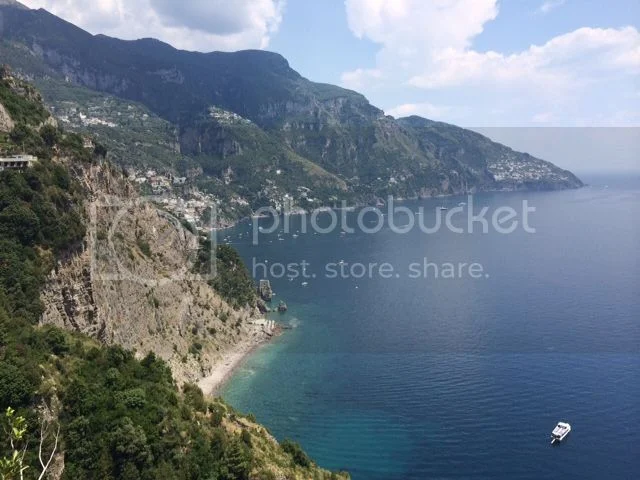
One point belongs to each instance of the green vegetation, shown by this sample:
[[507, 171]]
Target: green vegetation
[[14, 427], [233, 280], [38, 220], [132, 134], [144, 247], [255, 165], [230, 277], [21, 100], [120, 418], [116, 417], [296, 452], [125, 419]]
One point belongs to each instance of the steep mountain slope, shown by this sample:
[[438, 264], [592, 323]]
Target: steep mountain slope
[[136, 264], [80, 251], [483, 163], [253, 163], [336, 129], [220, 152], [131, 132]]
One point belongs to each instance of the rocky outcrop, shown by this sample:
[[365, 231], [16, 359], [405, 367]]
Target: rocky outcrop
[[210, 138], [6, 123], [132, 285], [265, 291]]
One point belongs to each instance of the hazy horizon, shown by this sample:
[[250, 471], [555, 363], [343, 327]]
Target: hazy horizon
[[584, 150]]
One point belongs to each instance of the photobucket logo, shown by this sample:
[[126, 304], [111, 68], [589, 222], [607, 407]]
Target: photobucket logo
[[400, 219]]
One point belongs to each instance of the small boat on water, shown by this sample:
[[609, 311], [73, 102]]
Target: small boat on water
[[443, 208], [560, 432]]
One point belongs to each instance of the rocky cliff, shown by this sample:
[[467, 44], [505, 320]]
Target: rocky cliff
[[6, 122], [132, 284], [121, 272], [472, 162], [291, 125]]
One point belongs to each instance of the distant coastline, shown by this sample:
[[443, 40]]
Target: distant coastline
[[229, 224]]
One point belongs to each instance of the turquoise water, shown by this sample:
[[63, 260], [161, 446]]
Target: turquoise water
[[414, 378]]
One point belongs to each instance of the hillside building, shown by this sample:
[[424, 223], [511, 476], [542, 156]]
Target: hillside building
[[17, 162]]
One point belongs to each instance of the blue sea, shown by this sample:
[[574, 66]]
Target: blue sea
[[406, 376]]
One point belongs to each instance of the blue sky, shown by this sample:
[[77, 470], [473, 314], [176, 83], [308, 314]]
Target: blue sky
[[485, 64], [319, 41], [316, 39]]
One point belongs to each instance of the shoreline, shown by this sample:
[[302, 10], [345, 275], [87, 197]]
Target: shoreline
[[301, 211], [235, 357]]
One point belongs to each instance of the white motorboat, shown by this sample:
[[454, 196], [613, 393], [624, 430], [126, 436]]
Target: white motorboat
[[560, 432]]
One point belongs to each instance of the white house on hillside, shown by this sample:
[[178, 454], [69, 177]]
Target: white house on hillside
[[17, 162]]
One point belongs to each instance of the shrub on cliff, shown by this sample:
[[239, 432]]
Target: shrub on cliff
[[297, 454], [21, 107], [231, 278]]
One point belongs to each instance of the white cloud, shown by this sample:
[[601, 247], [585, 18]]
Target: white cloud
[[204, 25], [424, 109], [411, 31], [361, 77], [428, 45], [550, 5], [566, 61], [403, 24]]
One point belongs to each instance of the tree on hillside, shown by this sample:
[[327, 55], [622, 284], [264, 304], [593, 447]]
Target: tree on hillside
[[13, 466]]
